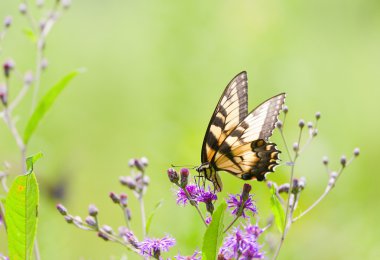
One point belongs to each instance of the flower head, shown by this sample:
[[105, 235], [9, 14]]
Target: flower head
[[242, 244], [153, 246], [193, 191], [239, 206]]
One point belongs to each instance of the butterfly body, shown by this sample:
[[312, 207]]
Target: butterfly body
[[237, 141]]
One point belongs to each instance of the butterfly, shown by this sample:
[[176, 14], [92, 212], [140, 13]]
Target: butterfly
[[237, 141]]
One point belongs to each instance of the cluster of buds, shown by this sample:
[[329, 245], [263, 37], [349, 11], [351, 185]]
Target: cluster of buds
[[138, 180], [122, 201]]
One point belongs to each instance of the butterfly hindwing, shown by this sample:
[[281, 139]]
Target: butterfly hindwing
[[232, 108], [246, 152]]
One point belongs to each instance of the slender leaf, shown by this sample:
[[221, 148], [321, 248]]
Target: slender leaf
[[30, 34], [214, 234], [31, 160], [278, 210], [21, 216], [45, 103], [150, 218]]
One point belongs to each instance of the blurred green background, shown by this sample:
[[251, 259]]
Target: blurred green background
[[155, 70]]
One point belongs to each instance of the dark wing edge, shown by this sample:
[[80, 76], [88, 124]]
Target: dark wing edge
[[241, 81]]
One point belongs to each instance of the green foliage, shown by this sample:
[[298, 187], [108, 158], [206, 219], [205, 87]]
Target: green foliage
[[21, 213], [150, 218], [214, 234], [45, 103], [278, 210]]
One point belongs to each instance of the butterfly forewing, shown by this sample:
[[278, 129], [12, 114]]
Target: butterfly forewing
[[232, 108]]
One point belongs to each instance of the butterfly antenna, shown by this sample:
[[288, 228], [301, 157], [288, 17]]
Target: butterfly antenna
[[188, 166]]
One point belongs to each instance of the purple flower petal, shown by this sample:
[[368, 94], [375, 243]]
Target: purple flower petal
[[154, 246]]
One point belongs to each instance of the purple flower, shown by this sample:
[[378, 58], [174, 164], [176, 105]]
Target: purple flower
[[237, 204], [206, 196], [195, 256], [153, 246], [242, 244], [193, 191], [208, 220]]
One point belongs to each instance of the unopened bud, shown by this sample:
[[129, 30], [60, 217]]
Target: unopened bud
[[356, 152], [7, 21], [131, 163], [302, 183], [318, 115], [28, 78], [61, 209], [146, 180], [295, 147], [285, 109], [90, 221], [128, 214], [103, 236], [66, 3], [309, 125], [343, 160], [44, 63], [7, 67], [210, 207], [246, 190], [22, 8], [284, 188], [123, 200], [92, 210], [184, 177], [132, 239], [325, 160], [107, 229], [301, 123], [144, 161], [115, 198], [39, 3], [78, 219], [315, 132], [68, 219], [279, 124], [139, 165], [128, 181]]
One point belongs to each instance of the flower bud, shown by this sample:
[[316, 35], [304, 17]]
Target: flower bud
[[103, 236], [208, 220], [90, 221], [325, 160], [39, 3], [7, 21], [128, 181], [61, 209], [146, 180], [132, 239], [315, 132], [246, 190], [184, 177], [318, 115], [28, 78], [68, 219], [92, 210], [343, 160], [295, 147], [310, 125], [356, 152], [210, 207], [302, 183], [139, 165], [7, 67], [128, 213], [301, 123], [123, 200], [144, 161], [66, 3], [279, 124], [284, 188], [22, 8], [107, 229], [44, 63], [131, 163], [115, 198], [285, 109], [4, 94], [173, 175]]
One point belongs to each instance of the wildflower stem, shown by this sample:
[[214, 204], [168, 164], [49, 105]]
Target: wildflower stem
[[194, 204], [38, 69], [285, 143], [19, 97], [232, 223], [324, 194], [142, 209]]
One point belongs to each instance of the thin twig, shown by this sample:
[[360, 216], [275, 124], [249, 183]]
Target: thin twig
[[192, 202], [231, 224]]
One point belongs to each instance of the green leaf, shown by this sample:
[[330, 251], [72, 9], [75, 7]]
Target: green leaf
[[21, 216], [45, 103], [30, 34], [31, 160], [278, 210], [150, 218], [214, 234]]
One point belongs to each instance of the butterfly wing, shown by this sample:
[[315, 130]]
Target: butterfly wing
[[246, 152], [232, 108]]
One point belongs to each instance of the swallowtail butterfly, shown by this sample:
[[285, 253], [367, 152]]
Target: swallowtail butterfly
[[237, 141]]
